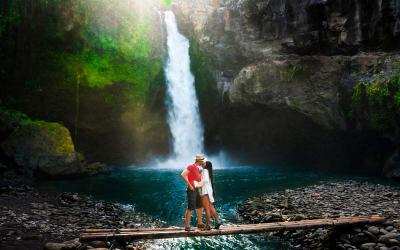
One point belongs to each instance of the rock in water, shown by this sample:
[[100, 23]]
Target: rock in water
[[43, 147], [54, 246], [368, 246], [97, 168], [68, 245]]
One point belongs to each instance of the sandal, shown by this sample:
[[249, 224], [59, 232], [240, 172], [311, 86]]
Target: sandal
[[200, 226], [187, 229], [217, 225], [206, 228]]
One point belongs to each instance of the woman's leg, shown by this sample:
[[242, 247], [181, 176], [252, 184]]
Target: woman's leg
[[206, 206], [214, 213]]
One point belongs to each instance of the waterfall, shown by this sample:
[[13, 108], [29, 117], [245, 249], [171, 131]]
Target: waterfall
[[183, 110]]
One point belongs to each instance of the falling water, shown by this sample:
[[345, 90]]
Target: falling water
[[183, 110]]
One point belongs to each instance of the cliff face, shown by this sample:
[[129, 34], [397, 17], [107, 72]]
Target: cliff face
[[288, 69], [313, 81]]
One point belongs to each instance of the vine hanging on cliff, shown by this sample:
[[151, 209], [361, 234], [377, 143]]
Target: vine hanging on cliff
[[377, 103]]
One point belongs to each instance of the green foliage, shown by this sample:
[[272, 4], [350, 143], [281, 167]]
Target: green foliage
[[292, 72], [10, 118], [205, 83], [117, 48], [10, 16], [102, 42], [296, 71], [200, 66], [102, 70], [115, 27], [168, 2], [377, 103]]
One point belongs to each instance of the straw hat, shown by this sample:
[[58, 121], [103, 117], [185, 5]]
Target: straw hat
[[199, 157]]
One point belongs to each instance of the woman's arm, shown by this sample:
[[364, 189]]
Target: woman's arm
[[204, 178]]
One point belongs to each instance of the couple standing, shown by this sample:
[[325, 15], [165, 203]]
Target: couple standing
[[200, 193]]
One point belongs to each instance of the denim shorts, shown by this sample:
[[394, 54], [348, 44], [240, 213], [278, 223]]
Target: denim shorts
[[193, 199]]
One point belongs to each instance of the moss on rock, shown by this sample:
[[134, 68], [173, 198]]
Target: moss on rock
[[10, 119], [39, 146], [376, 102]]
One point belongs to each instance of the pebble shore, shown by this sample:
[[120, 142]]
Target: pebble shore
[[330, 200], [30, 219]]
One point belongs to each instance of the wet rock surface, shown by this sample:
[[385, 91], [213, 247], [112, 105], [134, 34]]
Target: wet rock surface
[[331, 200], [290, 82], [274, 61], [39, 148], [30, 219]]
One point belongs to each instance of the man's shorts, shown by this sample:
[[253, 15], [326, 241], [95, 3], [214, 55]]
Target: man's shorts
[[194, 199]]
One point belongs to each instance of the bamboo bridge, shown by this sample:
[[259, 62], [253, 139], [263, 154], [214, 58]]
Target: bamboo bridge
[[130, 234]]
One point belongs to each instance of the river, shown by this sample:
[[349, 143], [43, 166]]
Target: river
[[160, 193]]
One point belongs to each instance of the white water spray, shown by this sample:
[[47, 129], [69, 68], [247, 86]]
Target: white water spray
[[183, 110]]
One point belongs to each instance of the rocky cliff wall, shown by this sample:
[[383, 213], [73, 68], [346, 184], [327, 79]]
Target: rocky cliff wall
[[285, 74]]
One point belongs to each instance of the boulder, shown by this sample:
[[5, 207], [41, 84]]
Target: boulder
[[389, 236], [54, 246], [96, 168], [43, 147], [307, 85], [374, 230], [368, 246], [67, 245], [98, 244]]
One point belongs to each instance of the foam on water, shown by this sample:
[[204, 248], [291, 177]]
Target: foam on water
[[219, 161]]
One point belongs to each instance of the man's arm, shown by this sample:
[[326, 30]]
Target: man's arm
[[184, 175]]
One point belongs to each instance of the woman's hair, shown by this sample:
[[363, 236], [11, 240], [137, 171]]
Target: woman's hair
[[210, 173]]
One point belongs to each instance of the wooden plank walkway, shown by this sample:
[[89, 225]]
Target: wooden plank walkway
[[129, 234]]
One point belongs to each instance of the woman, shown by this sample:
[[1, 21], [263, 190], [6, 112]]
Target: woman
[[207, 194]]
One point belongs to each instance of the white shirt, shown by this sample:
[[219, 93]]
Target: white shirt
[[205, 184]]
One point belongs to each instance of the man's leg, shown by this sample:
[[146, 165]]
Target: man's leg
[[188, 215], [199, 209], [199, 212]]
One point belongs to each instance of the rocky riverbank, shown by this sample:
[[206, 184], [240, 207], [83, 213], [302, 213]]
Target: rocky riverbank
[[329, 200], [29, 219]]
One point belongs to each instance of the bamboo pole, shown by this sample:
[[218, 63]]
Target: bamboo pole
[[175, 232]]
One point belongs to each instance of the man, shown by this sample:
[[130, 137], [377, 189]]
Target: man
[[190, 175]]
